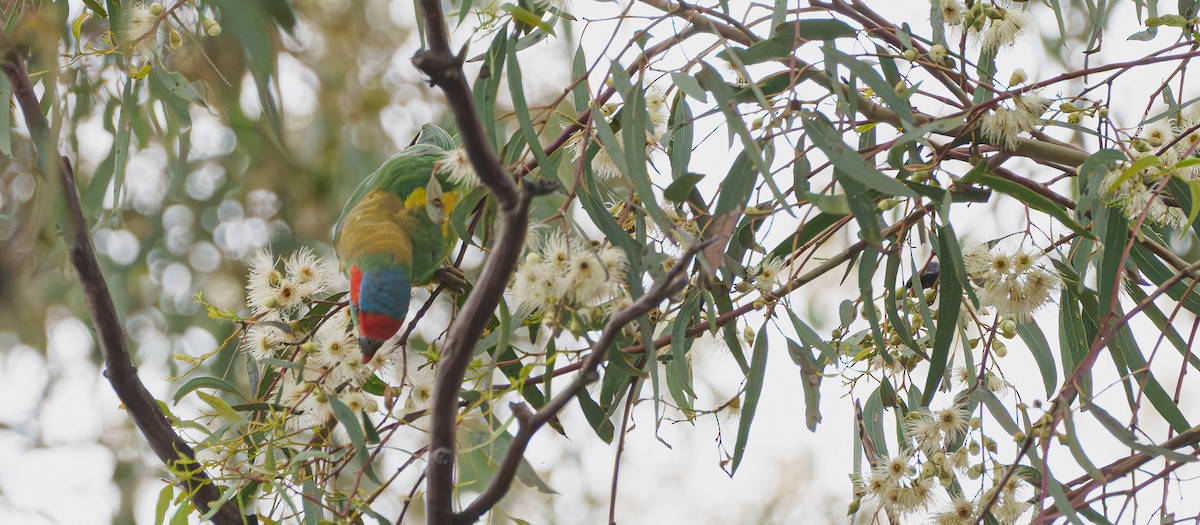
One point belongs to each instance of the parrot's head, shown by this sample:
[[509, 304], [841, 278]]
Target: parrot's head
[[379, 299]]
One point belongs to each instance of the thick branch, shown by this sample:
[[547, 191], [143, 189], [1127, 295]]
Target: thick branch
[[531, 423], [445, 71], [119, 369]]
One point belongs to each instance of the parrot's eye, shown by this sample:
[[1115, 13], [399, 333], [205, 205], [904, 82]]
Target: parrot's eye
[[437, 201]]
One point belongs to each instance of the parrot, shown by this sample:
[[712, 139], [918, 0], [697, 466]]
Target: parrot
[[393, 234]]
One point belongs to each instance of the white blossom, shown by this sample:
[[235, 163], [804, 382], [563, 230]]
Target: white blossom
[[1005, 31], [457, 167], [1014, 283]]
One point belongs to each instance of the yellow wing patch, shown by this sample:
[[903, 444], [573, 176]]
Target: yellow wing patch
[[377, 225]]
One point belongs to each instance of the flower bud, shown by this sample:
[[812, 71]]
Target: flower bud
[[937, 53], [1018, 77], [211, 27]]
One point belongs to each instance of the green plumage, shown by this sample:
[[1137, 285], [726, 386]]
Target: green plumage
[[393, 234], [384, 224]]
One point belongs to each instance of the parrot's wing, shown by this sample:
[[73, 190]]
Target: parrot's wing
[[435, 136], [401, 174]]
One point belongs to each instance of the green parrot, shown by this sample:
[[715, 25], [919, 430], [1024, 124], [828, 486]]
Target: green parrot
[[394, 234]]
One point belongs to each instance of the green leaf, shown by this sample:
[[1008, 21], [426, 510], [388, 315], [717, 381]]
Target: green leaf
[[1110, 271], [6, 118], [754, 384], [579, 72], [890, 302], [850, 163], [595, 415], [681, 188], [1124, 344], [1159, 273], [516, 89], [882, 89], [223, 409], [711, 80], [788, 37], [95, 6], [1073, 340], [872, 413], [487, 87], [813, 227], [950, 298], [526, 17], [354, 431], [1077, 449], [737, 186], [164, 501], [810, 337], [1126, 436], [688, 86], [311, 501], [679, 369], [836, 205], [679, 146], [1030, 198], [810, 382], [1033, 337], [205, 382], [120, 148]]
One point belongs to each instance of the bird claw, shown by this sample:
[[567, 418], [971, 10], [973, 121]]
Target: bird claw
[[452, 279]]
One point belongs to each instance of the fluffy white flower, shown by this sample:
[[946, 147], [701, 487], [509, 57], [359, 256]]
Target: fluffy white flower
[[766, 278], [420, 376], [1002, 126], [1015, 284], [139, 23], [952, 12], [657, 109], [563, 270], [457, 167], [1006, 31], [309, 273], [960, 512], [262, 282]]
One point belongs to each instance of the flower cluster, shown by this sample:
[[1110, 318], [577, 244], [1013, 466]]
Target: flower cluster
[[1016, 284], [1135, 192], [900, 486], [304, 276], [141, 31], [991, 26], [563, 271], [933, 431], [909, 481], [326, 360], [603, 165], [1002, 126]]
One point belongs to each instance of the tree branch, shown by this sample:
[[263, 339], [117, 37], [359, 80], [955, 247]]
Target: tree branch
[[1118, 469], [445, 71], [178, 456], [530, 423]]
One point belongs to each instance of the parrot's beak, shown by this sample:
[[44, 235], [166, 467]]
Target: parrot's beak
[[369, 347]]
